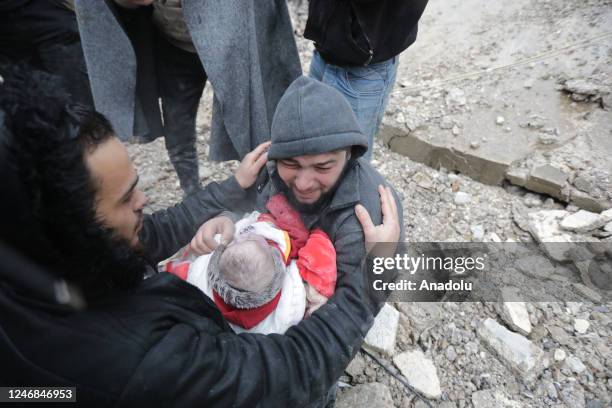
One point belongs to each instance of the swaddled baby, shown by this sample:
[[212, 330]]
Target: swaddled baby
[[267, 279]]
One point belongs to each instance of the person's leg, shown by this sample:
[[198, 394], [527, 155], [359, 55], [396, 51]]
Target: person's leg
[[181, 83], [367, 89]]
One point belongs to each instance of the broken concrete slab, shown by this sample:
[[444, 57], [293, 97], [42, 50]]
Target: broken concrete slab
[[515, 351], [514, 312], [365, 396], [420, 372], [490, 170], [381, 337], [545, 227], [547, 179], [584, 221], [493, 399]]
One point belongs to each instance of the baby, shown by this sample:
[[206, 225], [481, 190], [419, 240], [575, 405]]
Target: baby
[[272, 274]]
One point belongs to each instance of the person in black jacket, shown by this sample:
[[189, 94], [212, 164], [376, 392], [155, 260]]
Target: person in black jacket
[[45, 35], [357, 44], [75, 214]]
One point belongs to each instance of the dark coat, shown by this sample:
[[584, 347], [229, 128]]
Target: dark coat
[[166, 344], [247, 50], [360, 32]]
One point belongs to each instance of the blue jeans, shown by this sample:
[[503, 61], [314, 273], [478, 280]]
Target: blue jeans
[[366, 88]]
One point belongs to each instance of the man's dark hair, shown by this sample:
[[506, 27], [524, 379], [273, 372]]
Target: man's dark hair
[[46, 141]]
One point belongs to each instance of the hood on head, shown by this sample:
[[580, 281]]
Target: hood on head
[[314, 118]]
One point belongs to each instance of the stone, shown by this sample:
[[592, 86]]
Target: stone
[[420, 372], [474, 144], [493, 399], [544, 227], [356, 366], [581, 326], [423, 180], [559, 335], [451, 354], [500, 120], [365, 396], [514, 350], [559, 355], [547, 179], [455, 97], [536, 266], [462, 198], [455, 130], [477, 232], [383, 333], [583, 221], [575, 364], [513, 312], [582, 86], [583, 184]]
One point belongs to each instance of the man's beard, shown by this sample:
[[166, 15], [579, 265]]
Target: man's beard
[[107, 264], [311, 208]]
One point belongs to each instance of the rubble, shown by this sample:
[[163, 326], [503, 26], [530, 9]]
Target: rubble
[[494, 177], [584, 221], [365, 396], [381, 336], [420, 372], [515, 313], [520, 354]]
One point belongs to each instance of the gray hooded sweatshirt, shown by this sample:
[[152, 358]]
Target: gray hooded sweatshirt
[[314, 118]]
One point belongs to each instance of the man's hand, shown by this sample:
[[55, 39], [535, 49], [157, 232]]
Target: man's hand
[[247, 172], [389, 230], [204, 240], [132, 4]]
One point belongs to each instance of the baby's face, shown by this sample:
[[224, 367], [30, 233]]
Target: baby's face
[[247, 263]]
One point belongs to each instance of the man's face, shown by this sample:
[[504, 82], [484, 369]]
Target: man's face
[[119, 202], [309, 177]]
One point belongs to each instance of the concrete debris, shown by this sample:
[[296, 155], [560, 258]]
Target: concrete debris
[[381, 336], [365, 396], [513, 312], [559, 355], [584, 221], [546, 179], [420, 372], [574, 364], [581, 326], [462, 198], [493, 399], [517, 352]]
